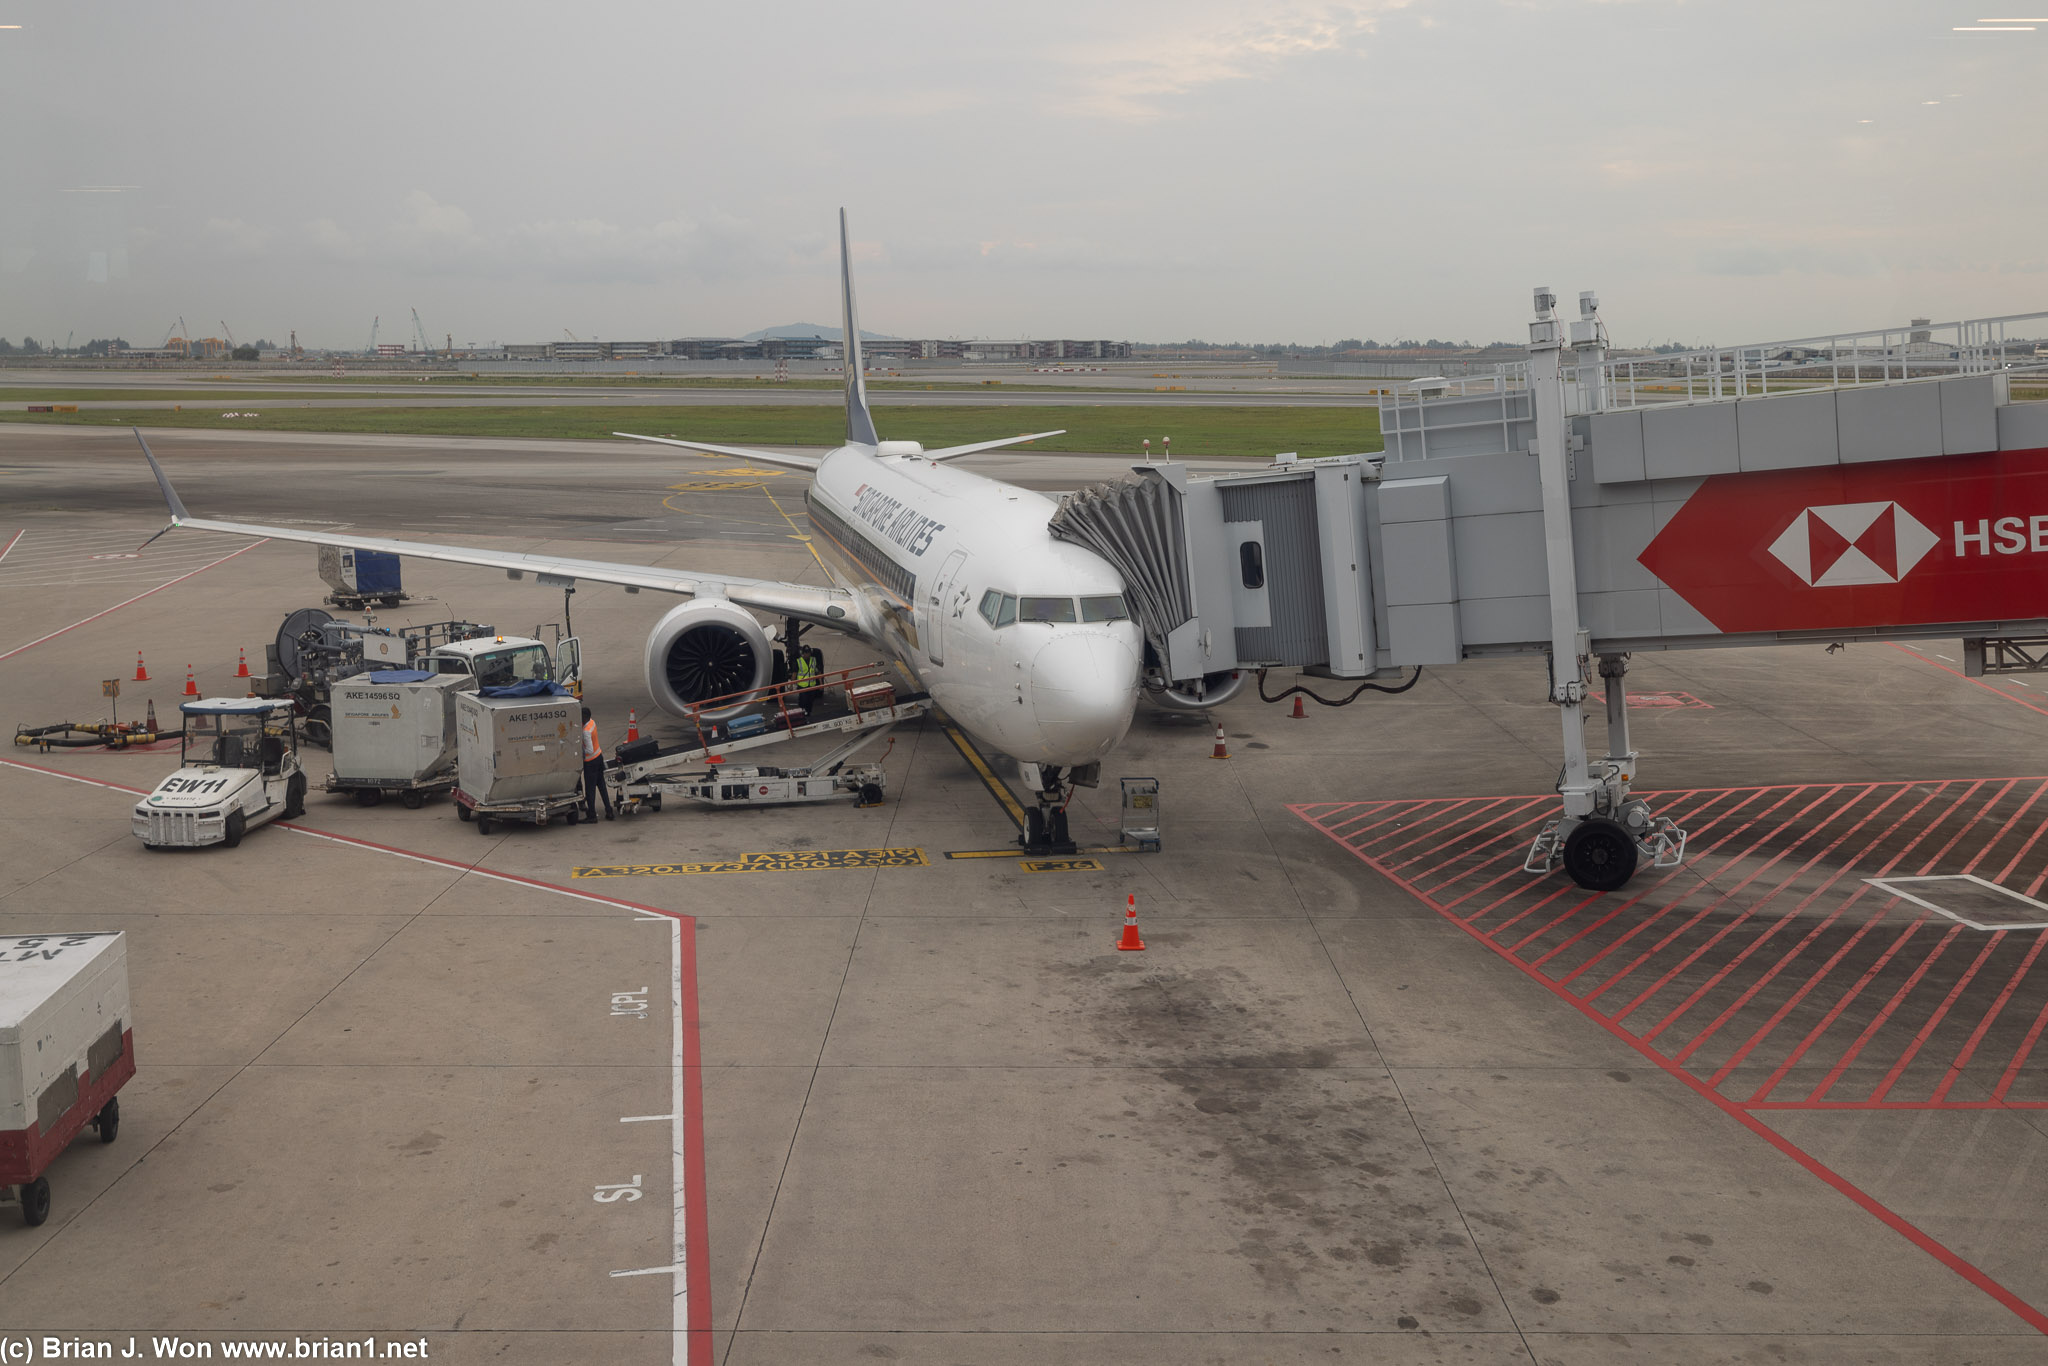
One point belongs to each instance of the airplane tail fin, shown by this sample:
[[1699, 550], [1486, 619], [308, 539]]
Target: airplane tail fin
[[860, 425]]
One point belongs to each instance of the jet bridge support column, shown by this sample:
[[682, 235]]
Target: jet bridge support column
[[1604, 829]]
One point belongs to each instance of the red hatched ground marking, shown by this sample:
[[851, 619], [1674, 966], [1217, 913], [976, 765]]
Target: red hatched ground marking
[[1769, 953]]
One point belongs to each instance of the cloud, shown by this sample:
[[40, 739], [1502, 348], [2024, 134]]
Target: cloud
[[1130, 76], [234, 236]]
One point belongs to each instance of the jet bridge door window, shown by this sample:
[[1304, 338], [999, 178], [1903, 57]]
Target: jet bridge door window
[[1251, 564]]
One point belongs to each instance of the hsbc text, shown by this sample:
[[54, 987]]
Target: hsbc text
[[2006, 536]]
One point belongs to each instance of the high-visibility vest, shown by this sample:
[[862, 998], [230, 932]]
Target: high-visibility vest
[[591, 749]]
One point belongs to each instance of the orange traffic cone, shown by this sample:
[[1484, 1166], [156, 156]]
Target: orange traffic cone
[[1222, 751], [150, 724], [1130, 941], [242, 666], [192, 690], [141, 674], [632, 724], [1300, 712]]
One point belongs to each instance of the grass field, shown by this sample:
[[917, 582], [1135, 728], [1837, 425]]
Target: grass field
[[1198, 433], [25, 394]]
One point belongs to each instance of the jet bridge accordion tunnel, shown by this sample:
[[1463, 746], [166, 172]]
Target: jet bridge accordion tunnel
[[1584, 508]]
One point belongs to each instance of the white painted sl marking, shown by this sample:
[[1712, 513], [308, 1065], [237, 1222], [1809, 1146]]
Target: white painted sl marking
[[628, 1191]]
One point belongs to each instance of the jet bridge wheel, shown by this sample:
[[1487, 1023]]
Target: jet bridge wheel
[[1599, 855]]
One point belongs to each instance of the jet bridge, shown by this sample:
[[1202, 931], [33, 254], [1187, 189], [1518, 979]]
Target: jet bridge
[[1873, 486]]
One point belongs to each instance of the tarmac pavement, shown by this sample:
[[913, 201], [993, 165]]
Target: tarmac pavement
[[397, 1080]]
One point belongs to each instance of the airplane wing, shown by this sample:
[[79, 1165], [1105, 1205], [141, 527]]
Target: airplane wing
[[833, 607], [955, 452], [794, 462]]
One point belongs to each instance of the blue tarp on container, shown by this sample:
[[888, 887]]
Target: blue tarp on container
[[398, 676], [376, 572], [537, 687]]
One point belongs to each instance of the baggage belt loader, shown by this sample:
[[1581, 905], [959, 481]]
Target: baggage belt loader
[[855, 704]]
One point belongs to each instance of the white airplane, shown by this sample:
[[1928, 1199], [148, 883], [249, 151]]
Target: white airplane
[[1025, 641]]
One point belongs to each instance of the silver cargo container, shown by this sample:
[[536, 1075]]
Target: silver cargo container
[[395, 732], [517, 749]]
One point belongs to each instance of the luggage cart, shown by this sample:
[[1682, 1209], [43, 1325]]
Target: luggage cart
[[67, 1046], [412, 791], [535, 811]]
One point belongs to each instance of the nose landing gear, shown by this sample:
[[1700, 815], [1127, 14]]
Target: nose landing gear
[[1045, 824]]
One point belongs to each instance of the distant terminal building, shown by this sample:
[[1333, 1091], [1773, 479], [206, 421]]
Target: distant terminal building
[[818, 348]]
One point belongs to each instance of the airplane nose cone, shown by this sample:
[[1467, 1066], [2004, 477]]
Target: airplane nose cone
[[1083, 689]]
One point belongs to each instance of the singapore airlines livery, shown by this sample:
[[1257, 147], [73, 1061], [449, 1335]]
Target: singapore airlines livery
[[1024, 640]]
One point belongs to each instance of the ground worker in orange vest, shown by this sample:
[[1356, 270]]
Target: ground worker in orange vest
[[594, 785]]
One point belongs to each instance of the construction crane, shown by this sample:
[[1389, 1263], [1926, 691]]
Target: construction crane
[[571, 335], [419, 332], [176, 329], [374, 322], [227, 332]]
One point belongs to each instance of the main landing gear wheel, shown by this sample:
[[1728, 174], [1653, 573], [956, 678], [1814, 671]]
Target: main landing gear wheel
[[35, 1201], [108, 1120], [1599, 855]]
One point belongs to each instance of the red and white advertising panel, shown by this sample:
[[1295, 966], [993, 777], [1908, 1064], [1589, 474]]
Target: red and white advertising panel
[[1863, 547]]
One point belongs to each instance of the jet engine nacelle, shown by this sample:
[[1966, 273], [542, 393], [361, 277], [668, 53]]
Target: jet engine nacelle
[[1200, 694], [703, 649]]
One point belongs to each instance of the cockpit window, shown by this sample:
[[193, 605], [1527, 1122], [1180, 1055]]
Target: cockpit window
[[1107, 608], [1045, 609]]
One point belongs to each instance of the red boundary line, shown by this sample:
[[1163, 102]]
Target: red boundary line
[[1870, 1204], [11, 542], [696, 1220]]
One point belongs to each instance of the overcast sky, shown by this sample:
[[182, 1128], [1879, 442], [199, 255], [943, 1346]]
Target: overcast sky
[[1720, 170]]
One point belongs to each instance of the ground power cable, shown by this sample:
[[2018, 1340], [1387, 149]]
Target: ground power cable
[[1343, 701]]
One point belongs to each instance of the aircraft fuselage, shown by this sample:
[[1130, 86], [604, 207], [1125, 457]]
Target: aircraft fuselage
[[933, 552]]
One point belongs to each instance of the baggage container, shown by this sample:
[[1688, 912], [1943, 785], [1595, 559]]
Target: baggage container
[[395, 727], [67, 1045], [517, 749], [359, 573]]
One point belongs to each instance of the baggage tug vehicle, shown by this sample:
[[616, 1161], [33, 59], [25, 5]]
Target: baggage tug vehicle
[[239, 767]]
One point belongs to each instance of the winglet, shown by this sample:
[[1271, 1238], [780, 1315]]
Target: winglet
[[171, 498], [177, 504], [860, 425]]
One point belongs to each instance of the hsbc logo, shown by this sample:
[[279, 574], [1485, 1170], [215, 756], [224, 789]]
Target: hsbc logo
[[1857, 543]]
